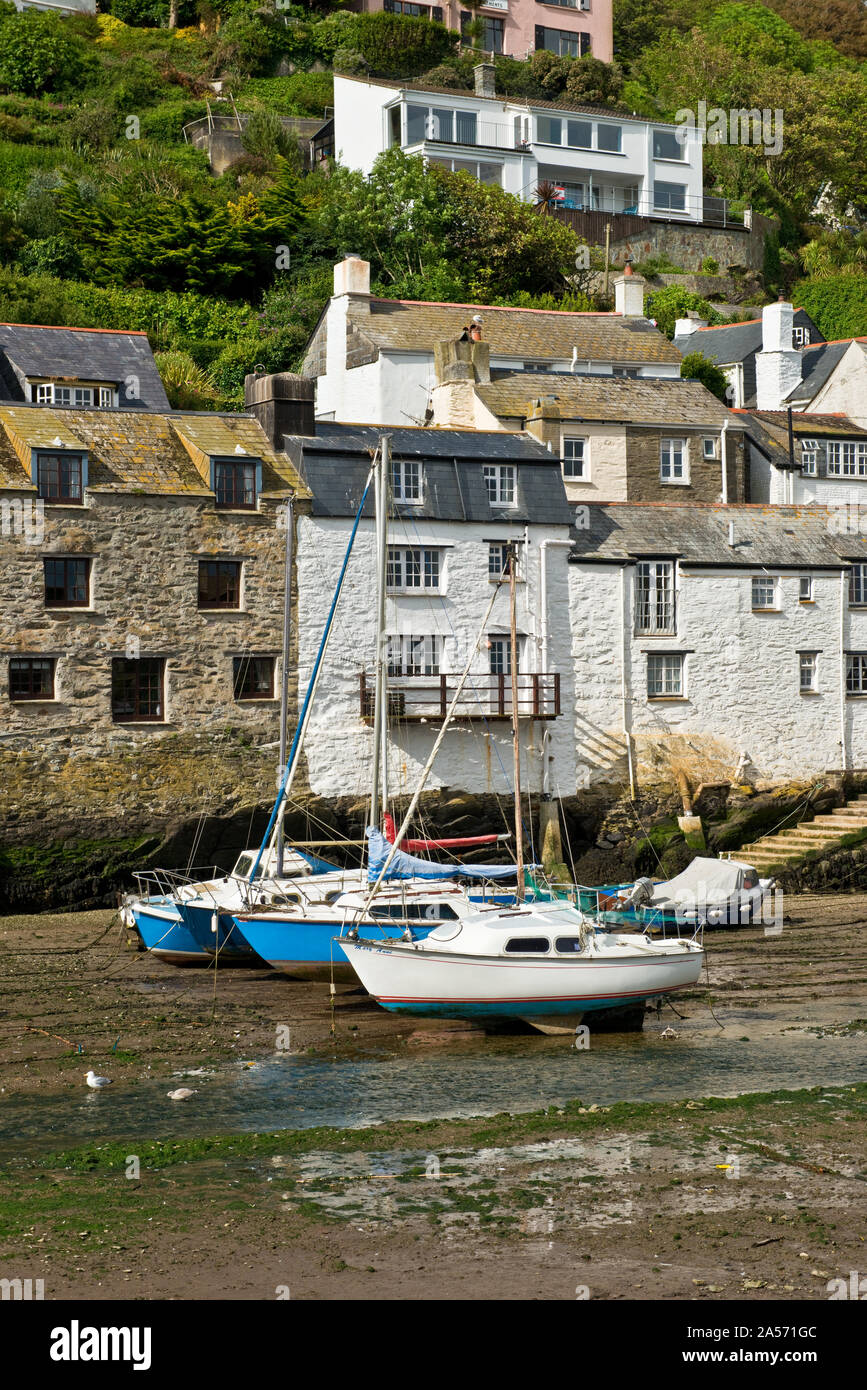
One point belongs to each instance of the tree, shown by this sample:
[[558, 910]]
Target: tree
[[673, 302], [594, 83], [39, 52], [837, 305], [701, 368]]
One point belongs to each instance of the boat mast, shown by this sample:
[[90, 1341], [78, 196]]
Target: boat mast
[[289, 521], [380, 697], [516, 738]]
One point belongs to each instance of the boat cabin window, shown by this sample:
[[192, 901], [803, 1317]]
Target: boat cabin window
[[527, 943], [568, 943], [243, 866], [332, 897], [751, 880], [283, 899], [416, 912]]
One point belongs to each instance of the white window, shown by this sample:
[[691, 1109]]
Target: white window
[[106, 397], [669, 196], [500, 656], [708, 447], [44, 393], [810, 457], [673, 462], [800, 337], [500, 482], [654, 596], [575, 459], [82, 395], [667, 146], [498, 560], [805, 592], [665, 675], [412, 567], [858, 586], [846, 459], [764, 592], [63, 395], [808, 662], [856, 673], [414, 656], [406, 480]]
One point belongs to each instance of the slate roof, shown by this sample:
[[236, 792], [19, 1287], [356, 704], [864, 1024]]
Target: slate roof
[[643, 400], [808, 423], [337, 460], [818, 362], [778, 537], [145, 452], [81, 354], [731, 342], [420, 85], [534, 334]]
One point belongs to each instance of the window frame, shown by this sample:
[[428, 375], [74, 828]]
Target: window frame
[[766, 580], [673, 190], [242, 666], [858, 581], [812, 667], [712, 455], [137, 666], [236, 464], [66, 561], [658, 596], [214, 605], [61, 457], [805, 582], [495, 473], [398, 473], [667, 660], [584, 475], [428, 567], [679, 157], [810, 457], [31, 662], [857, 689], [666, 443], [404, 658]]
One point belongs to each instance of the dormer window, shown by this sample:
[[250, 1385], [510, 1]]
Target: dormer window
[[500, 482], [235, 483], [809, 457], [406, 480], [800, 337], [72, 396], [60, 477]]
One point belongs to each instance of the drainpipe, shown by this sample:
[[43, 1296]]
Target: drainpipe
[[723, 460], [624, 690], [844, 587]]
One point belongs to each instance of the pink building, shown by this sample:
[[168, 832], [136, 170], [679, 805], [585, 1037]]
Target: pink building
[[518, 27]]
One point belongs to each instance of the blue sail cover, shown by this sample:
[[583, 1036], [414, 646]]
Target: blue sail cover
[[405, 865]]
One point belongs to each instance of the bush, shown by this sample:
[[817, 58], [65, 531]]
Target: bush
[[249, 45], [593, 82], [392, 45], [701, 368], [709, 266], [837, 304], [302, 94], [188, 387], [164, 124], [151, 14], [672, 303], [54, 255], [13, 129], [350, 61], [38, 53]]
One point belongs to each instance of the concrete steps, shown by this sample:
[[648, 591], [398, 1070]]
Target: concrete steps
[[788, 846]]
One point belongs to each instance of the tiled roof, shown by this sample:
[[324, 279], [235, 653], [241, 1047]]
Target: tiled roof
[[650, 400], [142, 452], [420, 85], [81, 354], [783, 537], [534, 334]]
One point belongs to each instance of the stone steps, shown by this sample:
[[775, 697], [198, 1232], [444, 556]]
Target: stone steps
[[788, 846]]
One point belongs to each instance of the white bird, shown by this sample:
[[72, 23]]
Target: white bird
[[97, 1082], [668, 1033], [182, 1093]]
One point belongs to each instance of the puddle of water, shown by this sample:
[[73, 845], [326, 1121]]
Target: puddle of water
[[489, 1076]]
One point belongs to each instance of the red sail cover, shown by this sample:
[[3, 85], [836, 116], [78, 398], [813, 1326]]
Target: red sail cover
[[413, 846]]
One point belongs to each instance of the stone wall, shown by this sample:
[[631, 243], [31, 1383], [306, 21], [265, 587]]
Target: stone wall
[[688, 245], [705, 475]]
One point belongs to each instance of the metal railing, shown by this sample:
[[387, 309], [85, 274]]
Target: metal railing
[[484, 697]]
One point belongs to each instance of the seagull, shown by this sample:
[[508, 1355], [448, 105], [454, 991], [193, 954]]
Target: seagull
[[97, 1082], [182, 1093]]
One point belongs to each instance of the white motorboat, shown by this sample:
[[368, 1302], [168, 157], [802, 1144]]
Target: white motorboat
[[547, 964]]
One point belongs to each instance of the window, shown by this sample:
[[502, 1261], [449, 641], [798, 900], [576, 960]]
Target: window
[[500, 656], [550, 130], [664, 675], [44, 393], [415, 11], [654, 596], [498, 560], [63, 395], [800, 337], [608, 137], [672, 461], [856, 673], [708, 447], [253, 677], [219, 584], [491, 37], [809, 457], [764, 591], [805, 589], [67, 582], [31, 678], [414, 656], [574, 458], [406, 480], [846, 460], [500, 482], [562, 42], [808, 672], [520, 944], [106, 397], [669, 197], [858, 586], [568, 944], [579, 134], [235, 484], [59, 477], [137, 690], [666, 145], [412, 568], [482, 169]]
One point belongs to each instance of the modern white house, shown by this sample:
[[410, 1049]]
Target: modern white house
[[373, 359], [729, 643], [601, 160], [459, 498]]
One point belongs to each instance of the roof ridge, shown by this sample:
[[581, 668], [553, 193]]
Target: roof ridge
[[502, 308], [71, 328]]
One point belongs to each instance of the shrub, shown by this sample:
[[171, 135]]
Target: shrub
[[11, 128], [709, 266], [302, 94], [188, 387], [593, 82], [165, 123], [38, 53], [393, 45], [702, 369], [54, 255], [349, 60], [836, 304], [672, 303]]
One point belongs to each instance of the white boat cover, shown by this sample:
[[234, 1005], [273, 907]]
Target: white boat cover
[[705, 881]]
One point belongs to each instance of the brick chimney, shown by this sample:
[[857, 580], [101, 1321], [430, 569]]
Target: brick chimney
[[282, 403], [459, 368], [629, 291], [778, 365], [485, 75]]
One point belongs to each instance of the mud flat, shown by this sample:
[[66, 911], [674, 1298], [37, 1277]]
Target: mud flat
[[757, 1196]]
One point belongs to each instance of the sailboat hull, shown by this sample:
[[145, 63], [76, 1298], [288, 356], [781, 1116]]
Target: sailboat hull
[[183, 935], [437, 984], [309, 949]]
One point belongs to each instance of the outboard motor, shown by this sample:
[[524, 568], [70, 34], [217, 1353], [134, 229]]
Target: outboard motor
[[641, 893]]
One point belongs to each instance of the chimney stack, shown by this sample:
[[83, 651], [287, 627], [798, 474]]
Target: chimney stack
[[778, 365], [282, 403], [629, 294], [691, 324], [352, 276], [485, 79]]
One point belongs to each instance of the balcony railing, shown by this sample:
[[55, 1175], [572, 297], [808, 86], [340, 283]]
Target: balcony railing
[[495, 135], [483, 697]]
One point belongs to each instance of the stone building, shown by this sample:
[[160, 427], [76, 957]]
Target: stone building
[[141, 614], [79, 368]]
